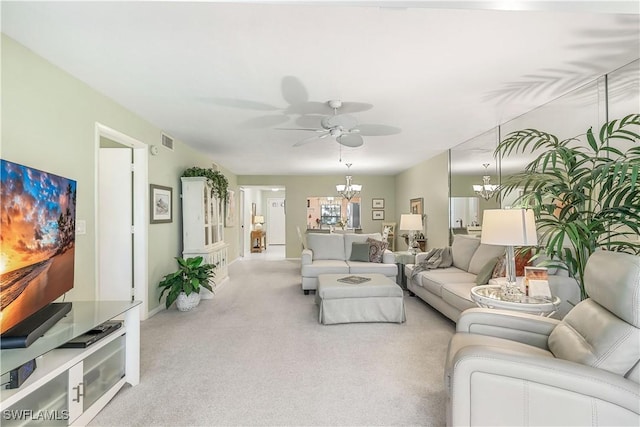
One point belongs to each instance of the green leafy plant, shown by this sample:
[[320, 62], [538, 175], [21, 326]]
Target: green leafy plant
[[584, 191], [218, 182], [190, 277]]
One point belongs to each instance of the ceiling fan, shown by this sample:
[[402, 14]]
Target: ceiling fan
[[342, 127]]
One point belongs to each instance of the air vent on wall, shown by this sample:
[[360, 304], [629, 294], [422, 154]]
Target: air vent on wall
[[167, 141]]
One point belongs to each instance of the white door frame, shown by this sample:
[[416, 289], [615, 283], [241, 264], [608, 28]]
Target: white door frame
[[241, 234], [140, 211]]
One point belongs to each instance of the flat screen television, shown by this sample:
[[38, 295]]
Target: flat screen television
[[37, 249]]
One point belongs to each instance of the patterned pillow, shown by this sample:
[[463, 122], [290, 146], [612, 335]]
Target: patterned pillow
[[523, 258], [376, 249]]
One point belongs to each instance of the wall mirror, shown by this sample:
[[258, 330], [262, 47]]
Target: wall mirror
[[467, 168], [327, 212]]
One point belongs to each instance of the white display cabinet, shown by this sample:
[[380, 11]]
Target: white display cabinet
[[71, 385], [203, 227]]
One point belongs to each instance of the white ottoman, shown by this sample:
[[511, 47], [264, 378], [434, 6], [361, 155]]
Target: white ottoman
[[377, 300]]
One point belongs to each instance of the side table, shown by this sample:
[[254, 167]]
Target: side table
[[403, 258], [490, 296]]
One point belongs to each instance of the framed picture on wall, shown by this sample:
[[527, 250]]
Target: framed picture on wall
[[377, 214], [377, 203], [416, 206], [161, 204]]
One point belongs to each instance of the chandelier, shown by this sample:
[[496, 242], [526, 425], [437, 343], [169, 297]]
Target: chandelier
[[486, 190], [350, 190]]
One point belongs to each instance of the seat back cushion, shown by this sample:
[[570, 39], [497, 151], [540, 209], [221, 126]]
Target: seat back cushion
[[351, 238], [462, 250], [592, 335], [326, 246], [612, 279], [483, 255]]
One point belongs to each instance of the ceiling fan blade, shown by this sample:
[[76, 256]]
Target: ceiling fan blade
[[243, 104], [378, 130], [350, 140], [293, 91], [308, 107], [308, 140], [263, 122], [305, 129], [310, 121], [344, 120], [355, 107]]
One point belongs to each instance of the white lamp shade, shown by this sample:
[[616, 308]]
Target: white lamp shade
[[509, 227], [258, 219], [410, 222]]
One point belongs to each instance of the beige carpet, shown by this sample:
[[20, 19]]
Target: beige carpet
[[256, 355]]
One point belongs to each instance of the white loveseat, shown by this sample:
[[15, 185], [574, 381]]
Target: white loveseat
[[330, 253], [448, 290]]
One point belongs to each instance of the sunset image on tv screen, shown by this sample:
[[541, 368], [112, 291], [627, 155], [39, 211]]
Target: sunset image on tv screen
[[37, 237]]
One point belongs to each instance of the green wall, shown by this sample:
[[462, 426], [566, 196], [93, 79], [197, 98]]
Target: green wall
[[48, 122], [429, 180]]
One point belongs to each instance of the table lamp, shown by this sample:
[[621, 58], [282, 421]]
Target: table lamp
[[258, 220], [509, 227], [411, 223]]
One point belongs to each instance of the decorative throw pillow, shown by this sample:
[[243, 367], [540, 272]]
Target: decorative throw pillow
[[359, 252], [376, 249], [486, 272], [523, 258]]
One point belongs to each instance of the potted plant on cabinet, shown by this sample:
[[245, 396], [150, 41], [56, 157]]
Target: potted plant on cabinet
[[183, 286], [585, 191], [218, 182]]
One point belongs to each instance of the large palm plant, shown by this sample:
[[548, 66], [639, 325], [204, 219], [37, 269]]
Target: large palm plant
[[584, 190]]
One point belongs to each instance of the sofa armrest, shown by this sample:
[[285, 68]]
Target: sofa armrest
[[388, 257], [307, 256], [522, 327], [420, 256], [555, 391]]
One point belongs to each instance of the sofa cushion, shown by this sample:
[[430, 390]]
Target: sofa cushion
[[357, 267], [326, 246], [458, 295], [486, 272], [359, 252], [462, 249], [434, 280], [484, 254], [351, 238], [323, 266], [376, 249]]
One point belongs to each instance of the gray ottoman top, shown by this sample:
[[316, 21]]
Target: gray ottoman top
[[378, 286]]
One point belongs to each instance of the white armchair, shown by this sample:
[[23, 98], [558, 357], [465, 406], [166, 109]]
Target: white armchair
[[507, 368]]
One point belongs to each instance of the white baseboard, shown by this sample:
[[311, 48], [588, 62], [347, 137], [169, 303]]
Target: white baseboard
[[156, 310]]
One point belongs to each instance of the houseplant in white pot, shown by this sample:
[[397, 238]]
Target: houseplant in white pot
[[183, 286]]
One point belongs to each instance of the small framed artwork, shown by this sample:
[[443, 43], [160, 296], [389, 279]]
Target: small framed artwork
[[377, 214], [377, 203], [161, 204], [416, 206]]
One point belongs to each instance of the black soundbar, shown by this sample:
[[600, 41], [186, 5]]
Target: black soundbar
[[33, 327]]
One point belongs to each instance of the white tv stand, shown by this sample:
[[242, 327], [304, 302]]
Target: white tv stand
[[71, 385]]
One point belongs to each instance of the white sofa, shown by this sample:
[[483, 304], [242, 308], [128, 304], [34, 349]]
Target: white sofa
[[330, 253], [448, 290]]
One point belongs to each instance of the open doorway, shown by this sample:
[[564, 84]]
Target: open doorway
[[120, 217], [260, 220]]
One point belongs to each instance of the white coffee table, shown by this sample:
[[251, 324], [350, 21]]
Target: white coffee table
[[490, 296]]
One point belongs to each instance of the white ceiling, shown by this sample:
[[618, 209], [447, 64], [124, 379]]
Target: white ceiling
[[220, 76]]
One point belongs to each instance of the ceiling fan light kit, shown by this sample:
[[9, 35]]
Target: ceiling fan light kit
[[342, 127]]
